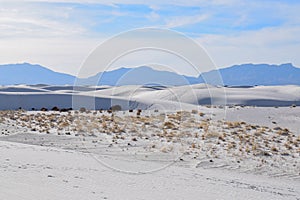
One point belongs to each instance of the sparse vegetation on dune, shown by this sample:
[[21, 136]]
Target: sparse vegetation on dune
[[192, 131]]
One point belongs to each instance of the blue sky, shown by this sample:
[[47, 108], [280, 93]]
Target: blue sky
[[60, 34]]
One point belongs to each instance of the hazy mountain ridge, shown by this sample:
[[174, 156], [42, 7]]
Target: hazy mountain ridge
[[260, 74], [29, 74], [138, 76], [237, 75]]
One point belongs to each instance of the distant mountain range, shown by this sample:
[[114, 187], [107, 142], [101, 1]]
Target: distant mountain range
[[237, 75], [32, 74]]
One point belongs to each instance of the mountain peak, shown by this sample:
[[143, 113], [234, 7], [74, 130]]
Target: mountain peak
[[26, 73], [287, 65], [261, 74]]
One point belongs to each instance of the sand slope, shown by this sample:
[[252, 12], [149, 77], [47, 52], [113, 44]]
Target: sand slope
[[172, 98], [33, 172]]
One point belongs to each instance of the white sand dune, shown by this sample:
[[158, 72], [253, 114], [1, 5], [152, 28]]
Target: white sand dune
[[230, 152], [174, 98], [21, 88]]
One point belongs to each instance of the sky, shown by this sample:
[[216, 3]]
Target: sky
[[61, 34]]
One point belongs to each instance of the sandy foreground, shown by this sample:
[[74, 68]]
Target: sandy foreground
[[205, 153]]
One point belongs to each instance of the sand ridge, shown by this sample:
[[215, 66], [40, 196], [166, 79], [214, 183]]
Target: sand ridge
[[146, 97]]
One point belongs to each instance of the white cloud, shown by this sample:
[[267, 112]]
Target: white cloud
[[60, 54], [153, 16], [145, 2], [36, 21], [179, 21], [269, 45]]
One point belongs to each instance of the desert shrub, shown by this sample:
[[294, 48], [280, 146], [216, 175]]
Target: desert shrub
[[139, 112], [194, 111], [55, 108], [116, 108], [201, 114], [274, 149], [44, 109], [82, 109], [169, 125]]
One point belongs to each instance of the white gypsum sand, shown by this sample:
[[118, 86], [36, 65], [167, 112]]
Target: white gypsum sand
[[209, 152], [145, 97], [34, 172]]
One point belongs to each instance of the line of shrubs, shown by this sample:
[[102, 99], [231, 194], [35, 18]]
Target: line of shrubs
[[113, 108]]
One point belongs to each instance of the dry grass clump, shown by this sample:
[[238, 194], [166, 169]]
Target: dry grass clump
[[171, 135], [64, 124], [186, 125], [283, 132], [145, 120], [184, 114], [194, 111], [166, 149], [231, 145], [204, 125], [174, 116], [170, 125], [212, 134], [247, 149], [255, 146], [259, 132], [298, 139], [288, 146], [222, 137], [233, 124]]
